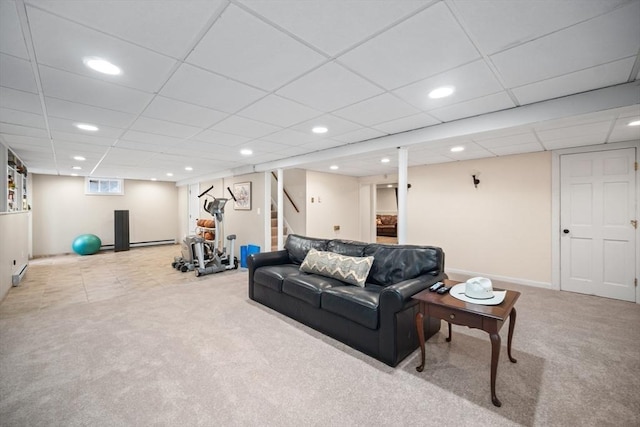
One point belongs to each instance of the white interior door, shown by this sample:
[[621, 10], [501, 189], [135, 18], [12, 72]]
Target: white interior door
[[194, 207], [597, 210]]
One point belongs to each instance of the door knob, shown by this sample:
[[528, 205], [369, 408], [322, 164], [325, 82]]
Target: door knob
[[565, 231]]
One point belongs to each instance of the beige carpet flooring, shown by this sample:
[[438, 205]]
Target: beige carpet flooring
[[122, 339]]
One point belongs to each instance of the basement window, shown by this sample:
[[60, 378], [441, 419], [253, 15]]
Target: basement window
[[104, 186]]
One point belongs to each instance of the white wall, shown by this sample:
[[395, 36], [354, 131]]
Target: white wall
[[247, 225], [336, 201], [386, 201], [502, 228], [14, 247], [61, 212]]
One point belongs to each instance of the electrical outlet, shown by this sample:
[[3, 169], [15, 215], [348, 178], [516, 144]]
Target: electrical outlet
[[336, 228]]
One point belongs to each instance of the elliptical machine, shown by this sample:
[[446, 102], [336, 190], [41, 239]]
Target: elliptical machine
[[205, 256]]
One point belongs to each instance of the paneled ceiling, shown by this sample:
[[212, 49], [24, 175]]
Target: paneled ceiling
[[202, 80]]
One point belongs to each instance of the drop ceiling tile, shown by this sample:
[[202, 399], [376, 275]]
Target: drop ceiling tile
[[350, 22], [470, 81], [322, 144], [181, 112], [362, 134], [66, 125], [200, 87], [62, 44], [11, 129], [85, 90], [597, 130], [497, 25], [603, 39], [329, 87], [260, 147], [508, 150], [149, 147], [290, 137], [221, 138], [491, 142], [278, 111], [16, 73], [11, 39], [245, 127], [19, 100], [81, 137], [426, 44], [165, 26], [162, 127], [415, 121], [88, 114], [19, 141], [150, 138], [76, 148], [376, 110], [475, 107], [622, 132], [22, 118], [335, 126], [575, 141], [243, 47], [609, 74]]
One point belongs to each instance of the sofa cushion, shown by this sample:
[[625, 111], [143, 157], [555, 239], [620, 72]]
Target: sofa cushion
[[308, 287], [349, 269], [273, 275], [347, 247], [393, 263], [298, 246], [357, 304]]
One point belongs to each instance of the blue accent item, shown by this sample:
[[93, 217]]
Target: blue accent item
[[86, 244], [243, 256]]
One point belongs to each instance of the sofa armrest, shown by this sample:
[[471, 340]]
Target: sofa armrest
[[255, 261], [395, 297]]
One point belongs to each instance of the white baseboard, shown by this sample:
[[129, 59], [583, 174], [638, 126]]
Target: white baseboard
[[515, 280]]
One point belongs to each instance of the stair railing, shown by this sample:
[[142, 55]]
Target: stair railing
[[273, 174]]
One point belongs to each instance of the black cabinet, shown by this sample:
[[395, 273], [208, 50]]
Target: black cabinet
[[121, 225]]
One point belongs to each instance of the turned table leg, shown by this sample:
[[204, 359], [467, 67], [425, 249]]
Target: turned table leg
[[495, 355], [420, 329], [512, 325]]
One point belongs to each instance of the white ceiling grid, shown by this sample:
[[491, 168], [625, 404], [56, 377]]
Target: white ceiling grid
[[202, 80]]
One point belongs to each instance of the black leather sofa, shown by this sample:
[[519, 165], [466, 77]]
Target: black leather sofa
[[377, 319]]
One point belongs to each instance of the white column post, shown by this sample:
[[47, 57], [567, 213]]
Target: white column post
[[280, 209], [267, 212], [402, 194]]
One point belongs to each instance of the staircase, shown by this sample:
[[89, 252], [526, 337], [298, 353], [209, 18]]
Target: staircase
[[274, 229]]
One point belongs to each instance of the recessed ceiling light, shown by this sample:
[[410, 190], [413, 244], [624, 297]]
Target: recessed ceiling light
[[333, 167], [389, 186], [79, 158], [76, 168], [154, 179], [441, 92], [188, 168], [101, 65], [74, 174], [246, 152], [169, 174], [385, 160], [86, 126], [634, 123], [319, 129], [457, 149]]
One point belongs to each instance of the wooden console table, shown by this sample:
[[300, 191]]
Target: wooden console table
[[489, 318]]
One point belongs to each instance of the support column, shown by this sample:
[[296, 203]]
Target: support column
[[280, 209], [403, 156], [267, 212]]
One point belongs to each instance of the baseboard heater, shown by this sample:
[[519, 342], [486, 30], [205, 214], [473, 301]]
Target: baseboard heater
[[141, 244], [16, 278]]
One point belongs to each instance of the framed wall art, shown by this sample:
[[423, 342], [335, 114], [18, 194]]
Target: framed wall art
[[242, 192]]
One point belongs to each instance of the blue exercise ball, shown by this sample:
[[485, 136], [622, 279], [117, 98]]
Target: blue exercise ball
[[86, 244]]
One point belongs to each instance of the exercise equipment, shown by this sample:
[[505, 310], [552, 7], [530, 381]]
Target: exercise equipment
[[209, 256], [86, 244]]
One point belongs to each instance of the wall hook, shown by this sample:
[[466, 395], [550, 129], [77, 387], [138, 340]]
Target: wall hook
[[476, 181]]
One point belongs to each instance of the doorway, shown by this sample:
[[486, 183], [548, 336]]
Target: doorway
[[598, 228]]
